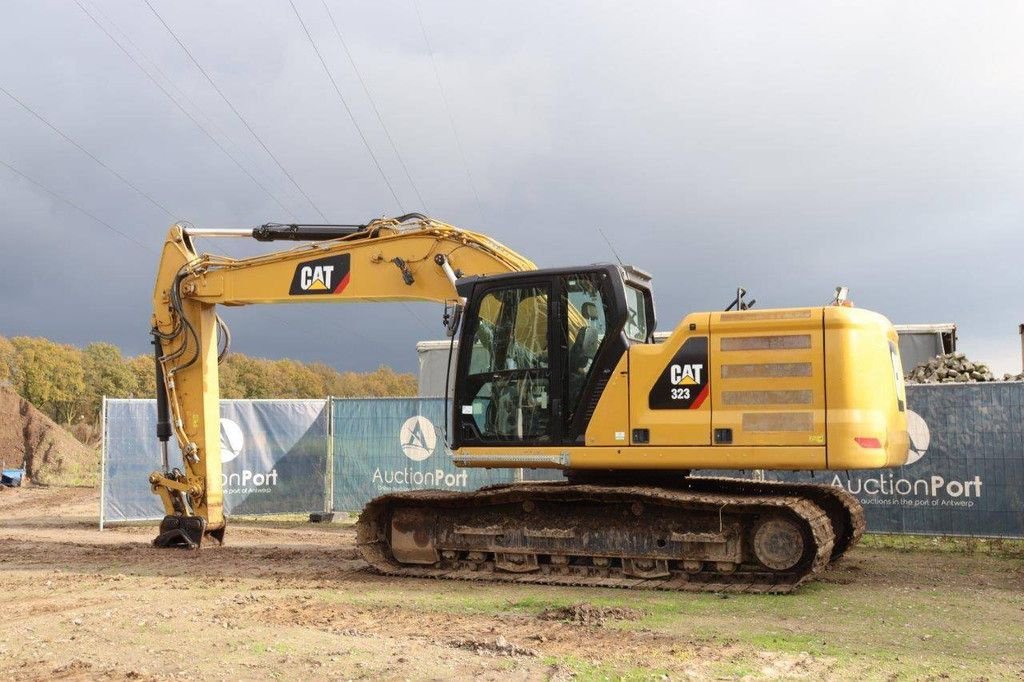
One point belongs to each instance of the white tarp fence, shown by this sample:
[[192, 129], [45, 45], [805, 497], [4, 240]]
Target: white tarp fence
[[274, 452]]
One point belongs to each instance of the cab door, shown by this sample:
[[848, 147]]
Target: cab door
[[588, 346], [505, 389]]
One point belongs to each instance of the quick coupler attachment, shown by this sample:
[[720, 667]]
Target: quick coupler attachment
[[185, 532]]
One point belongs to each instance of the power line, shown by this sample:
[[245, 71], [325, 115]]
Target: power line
[[73, 205], [173, 100], [373, 104], [99, 220], [236, 112], [347, 109], [448, 110], [234, 109], [380, 119], [87, 152], [165, 92], [419, 319], [191, 118]]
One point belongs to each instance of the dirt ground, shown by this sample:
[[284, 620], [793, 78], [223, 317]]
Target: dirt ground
[[294, 601]]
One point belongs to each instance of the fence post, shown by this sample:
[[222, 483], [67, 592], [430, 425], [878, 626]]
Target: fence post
[[103, 459], [329, 483]]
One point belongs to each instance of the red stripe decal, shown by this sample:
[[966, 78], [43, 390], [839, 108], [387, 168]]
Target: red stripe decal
[[700, 397], [342, 284]]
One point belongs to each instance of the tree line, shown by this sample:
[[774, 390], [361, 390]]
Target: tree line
[[68, 383]]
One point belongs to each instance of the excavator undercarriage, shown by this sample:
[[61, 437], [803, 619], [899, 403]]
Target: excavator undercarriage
[[706, 534]]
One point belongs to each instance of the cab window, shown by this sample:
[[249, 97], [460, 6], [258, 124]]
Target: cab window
[[586, 324], [636, 318], [508, 378]]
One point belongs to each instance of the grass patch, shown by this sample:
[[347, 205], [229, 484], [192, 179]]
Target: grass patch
[[596, 670], [271, 520], [792, 642], [1000, 547]]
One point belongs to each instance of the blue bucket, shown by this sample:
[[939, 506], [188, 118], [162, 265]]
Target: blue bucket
[[11, 477]]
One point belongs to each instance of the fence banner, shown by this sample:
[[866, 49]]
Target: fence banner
[[130, 454], [965, 475], [274, 455], [966, 470], [389, 445]]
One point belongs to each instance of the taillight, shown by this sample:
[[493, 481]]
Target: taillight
[[865, 442]]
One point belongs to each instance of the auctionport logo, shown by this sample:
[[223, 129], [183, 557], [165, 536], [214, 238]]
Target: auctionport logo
[[920, 438], [246, 481], [231, 440], [418, 438]]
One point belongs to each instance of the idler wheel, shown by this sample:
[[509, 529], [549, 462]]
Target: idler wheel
[[779, 543]]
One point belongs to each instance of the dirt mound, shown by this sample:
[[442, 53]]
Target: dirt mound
[[51, 455], [498, 647], [588, 614]]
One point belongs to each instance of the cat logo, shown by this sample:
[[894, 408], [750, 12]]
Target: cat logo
[[683, 384], [318, 278], [321, 276], [685, 375]]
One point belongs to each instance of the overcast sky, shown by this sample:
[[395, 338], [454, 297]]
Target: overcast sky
[[786, 147]]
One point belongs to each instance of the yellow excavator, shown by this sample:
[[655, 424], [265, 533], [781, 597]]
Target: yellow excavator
[[558, 369]]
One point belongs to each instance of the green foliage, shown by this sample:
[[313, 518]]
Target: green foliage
[[245, 377], [49, 375], [106, 373], [141, 367], [6, 359], [68, 384], [381, 382]]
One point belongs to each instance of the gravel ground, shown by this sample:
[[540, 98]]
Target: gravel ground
[[294, 601]]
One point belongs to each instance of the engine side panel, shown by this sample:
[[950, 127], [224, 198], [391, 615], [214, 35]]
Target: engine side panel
[[768, 377], [665, 385]]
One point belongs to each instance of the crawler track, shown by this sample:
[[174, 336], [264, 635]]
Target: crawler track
[[600, 535], [844, 511]]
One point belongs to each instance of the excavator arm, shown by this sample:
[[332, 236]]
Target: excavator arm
[[409, 258]]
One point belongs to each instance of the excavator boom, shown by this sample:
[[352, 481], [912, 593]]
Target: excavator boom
[[409, 258]]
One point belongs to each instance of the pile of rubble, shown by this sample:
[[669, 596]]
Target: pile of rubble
[[954, 368], [588, 614]]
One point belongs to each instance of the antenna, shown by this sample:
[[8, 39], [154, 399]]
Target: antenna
[[608, 242]]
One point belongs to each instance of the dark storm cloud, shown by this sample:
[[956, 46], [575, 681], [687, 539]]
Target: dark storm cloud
[[785, 147]]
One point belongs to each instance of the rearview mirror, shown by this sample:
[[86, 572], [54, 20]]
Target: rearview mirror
[[452, 317]]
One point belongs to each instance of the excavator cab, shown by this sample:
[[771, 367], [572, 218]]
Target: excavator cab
[[537, 349]]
